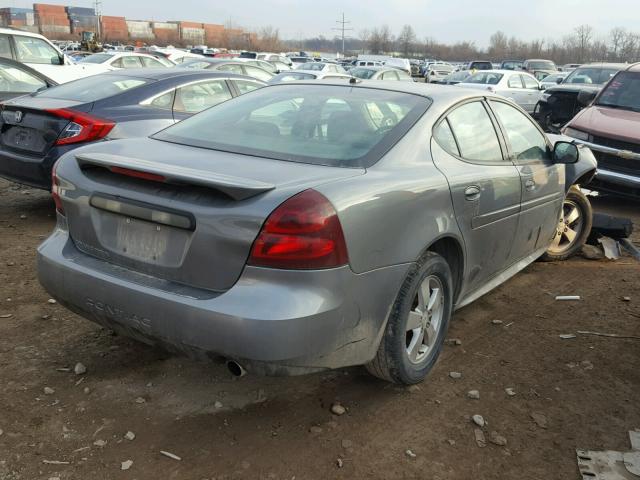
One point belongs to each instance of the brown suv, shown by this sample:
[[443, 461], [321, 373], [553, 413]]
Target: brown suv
[[610, 127]]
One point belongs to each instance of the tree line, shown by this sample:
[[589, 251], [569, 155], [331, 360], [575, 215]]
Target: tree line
[[580, 45]]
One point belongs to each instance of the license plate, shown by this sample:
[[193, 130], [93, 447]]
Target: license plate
[[23, 137], [142, 240]]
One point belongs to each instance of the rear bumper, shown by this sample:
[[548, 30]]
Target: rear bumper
[[30, 170], [271, 321]]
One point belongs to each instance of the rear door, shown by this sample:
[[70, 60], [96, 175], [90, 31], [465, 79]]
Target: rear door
[[515, 89], [542, 181], [484, 184]]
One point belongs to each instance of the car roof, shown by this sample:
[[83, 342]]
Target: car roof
[[634, 67], [165, 73], [375, 68], [620, 66], [447, 93], [17, 31]]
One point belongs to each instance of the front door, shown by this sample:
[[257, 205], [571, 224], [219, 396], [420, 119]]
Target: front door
[[542, 180], [484, 185]]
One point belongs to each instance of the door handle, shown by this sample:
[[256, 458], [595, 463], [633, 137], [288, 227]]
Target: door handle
[[530, 185], [472, 193]]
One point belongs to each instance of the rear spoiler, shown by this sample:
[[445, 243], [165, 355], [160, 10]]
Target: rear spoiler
[[235, 187]]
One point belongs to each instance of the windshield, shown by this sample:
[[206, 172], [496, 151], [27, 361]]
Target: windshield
[[363, 73], [485, 78], [622, 92], [542, 65], [317, 124], [93, 88], [595, 76], [97, 58]]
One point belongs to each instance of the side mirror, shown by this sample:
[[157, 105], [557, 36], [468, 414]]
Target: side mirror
[[542, 87], [565, 153], [559, 81], [585, 97]]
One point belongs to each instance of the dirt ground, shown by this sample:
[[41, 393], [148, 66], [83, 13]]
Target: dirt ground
[[583, 392]]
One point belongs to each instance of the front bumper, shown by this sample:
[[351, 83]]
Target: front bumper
[[271, 321], [623, 182]]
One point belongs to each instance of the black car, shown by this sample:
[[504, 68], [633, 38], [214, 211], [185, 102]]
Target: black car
[[560, 103], [512, 65], [17, 79], [35, 130]]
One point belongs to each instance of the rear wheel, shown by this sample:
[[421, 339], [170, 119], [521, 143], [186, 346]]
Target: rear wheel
[[574, 226], [417, 325]]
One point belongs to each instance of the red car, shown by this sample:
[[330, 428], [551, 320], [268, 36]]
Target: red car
[[610, 127]]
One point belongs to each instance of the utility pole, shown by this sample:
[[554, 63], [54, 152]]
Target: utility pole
[[343, 28], [97, 6]]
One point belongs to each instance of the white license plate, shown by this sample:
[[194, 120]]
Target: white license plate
[[142, 240]]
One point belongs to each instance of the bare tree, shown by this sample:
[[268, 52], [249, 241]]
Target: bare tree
[[498, 46], [406, 40], [584, 35]]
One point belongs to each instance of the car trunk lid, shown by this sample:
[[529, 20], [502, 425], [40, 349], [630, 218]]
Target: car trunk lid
[[29, 125], [183, 214]]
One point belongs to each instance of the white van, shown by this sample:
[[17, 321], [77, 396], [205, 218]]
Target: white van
[[39, 53]]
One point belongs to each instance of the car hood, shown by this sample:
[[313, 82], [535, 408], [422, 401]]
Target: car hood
[[573, 88], [608, 122]]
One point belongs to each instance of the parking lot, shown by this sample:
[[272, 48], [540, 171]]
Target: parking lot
[[569, 393]]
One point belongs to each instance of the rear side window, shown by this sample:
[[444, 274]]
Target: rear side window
[[93, 88], [475, 133], [444, 136], [245, 86], [35, 50], [258, 73], [231, 67], [15, 80], [529, 82], [151, 62], [317, 124], [515, 82], [130, 62]]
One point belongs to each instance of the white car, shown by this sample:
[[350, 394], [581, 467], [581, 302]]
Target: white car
[[37, 52], [437, 71], [321, 67], [109, 61], [177, 56], [521, 87], [298, 74]]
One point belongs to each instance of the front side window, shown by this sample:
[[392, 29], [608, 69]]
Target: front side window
[[5, 47], [318, 124], [200, 96], [526, 141], [530, 83], [258, 73], [35, 50], [245, 86], [475, 133]]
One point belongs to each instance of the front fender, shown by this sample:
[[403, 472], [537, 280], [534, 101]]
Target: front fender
[[581, 172]]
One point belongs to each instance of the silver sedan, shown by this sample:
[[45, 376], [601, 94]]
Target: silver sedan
[[310, 225]]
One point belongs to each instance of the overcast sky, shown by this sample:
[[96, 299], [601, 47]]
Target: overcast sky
[[445, 20]]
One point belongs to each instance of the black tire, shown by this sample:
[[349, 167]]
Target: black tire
[[392, 361], [578, 200]]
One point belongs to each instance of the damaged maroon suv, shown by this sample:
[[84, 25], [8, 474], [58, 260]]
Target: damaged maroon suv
[[610, 127]]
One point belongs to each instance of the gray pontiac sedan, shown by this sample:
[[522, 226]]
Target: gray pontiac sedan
[[310, 226]]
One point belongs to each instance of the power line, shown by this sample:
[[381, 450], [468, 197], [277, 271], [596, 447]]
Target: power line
[[343, 28]]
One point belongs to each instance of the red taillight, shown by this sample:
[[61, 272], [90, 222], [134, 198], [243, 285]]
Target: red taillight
[[82, 127], [138, 174], [304, 233], [55, 189]]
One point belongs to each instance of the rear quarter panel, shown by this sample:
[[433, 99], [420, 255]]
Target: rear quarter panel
[[398, 208]]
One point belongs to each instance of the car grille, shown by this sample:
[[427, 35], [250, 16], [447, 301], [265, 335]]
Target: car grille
[[613, 162], [564, 106]]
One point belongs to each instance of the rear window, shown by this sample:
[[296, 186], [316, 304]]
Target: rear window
[[316, 124], [93, 88], [541, 65], [293, 76], [591, 76]]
